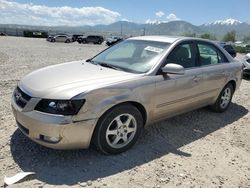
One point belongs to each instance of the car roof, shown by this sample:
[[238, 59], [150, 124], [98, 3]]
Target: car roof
[[167, 39]]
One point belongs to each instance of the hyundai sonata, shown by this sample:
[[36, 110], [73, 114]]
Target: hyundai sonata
[[108, 99]]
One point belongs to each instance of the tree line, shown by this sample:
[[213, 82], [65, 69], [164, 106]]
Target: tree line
[[230, 36]]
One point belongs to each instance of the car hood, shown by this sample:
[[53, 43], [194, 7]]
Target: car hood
[[67, 80]]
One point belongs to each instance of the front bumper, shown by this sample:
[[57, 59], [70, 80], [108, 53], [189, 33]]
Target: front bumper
[[37, 125]]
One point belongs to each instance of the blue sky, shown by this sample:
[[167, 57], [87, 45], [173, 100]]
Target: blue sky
[[193, 11]]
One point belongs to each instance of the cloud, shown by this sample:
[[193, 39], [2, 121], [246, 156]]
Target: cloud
[[125, 20], [163, 19], [172, 17], [12, 12], [159, 14]]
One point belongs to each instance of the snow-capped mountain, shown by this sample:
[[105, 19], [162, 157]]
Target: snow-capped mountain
[[155, 22], [151, 27], [227, 22], [220, 27]]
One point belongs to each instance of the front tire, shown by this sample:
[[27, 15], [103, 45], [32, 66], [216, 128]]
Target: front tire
[[224, 100], [118, 129]]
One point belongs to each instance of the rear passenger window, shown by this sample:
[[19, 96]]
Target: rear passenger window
[[209, 55], [182, 55]]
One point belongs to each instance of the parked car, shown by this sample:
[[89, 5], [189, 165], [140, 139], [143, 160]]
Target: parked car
[[246, 65], [108, 99], [229, 48], [80, 39], [50, 37], [96, 39], [3, 34], [60, 38], [113, 40], [75, 37]]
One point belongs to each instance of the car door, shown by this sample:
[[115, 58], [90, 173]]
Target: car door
[[58, 38], [91, 39], [176, 94], [214, 66]]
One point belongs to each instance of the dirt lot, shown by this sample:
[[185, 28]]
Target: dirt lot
[[197, 149]]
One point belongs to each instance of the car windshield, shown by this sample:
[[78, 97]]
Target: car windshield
[[135, 56]]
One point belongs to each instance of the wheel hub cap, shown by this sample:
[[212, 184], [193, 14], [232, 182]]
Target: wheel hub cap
[[121, 131], [225, 98]]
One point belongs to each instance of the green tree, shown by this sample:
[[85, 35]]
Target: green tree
[[189, 34], [208, 36], [229, 36], [246, 39]]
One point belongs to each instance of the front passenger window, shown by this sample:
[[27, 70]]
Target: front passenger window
[[182, 55], [209, 55]]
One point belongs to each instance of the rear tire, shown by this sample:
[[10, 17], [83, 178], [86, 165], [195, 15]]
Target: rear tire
[[118, 129], [224, 100]]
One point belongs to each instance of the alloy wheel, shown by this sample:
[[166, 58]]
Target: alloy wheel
[[225, 98], [121, 131]]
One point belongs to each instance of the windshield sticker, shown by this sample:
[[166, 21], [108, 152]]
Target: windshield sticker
[[154, 49]]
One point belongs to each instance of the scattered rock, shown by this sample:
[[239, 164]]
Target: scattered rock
[[89, 183], [104, 184], [165, 180], [182, 175], [83, 184]]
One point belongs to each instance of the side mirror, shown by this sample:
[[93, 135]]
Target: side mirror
[[172, 68]]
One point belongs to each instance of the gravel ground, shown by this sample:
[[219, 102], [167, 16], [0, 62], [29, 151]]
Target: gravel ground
[[196, 149]]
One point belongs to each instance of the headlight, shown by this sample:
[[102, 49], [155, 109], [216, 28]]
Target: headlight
[[62, 107]]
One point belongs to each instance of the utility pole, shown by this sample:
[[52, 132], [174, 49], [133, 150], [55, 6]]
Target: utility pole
[[144, 31], [121, 29]]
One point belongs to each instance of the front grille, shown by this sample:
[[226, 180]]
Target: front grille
[[21, 98]]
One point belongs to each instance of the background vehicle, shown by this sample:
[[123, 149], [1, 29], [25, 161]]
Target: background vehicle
[[246, 64], [80, 39], [3, 34], [50, 37], [60, 38], [108, 99], [96, 39], [229, 48], [113, 40], [75, 37]]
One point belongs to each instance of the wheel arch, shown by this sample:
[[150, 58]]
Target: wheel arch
[[233, 82], [138, 105]]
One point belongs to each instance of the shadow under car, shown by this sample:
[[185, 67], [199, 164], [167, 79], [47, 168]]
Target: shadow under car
[[57, 167]]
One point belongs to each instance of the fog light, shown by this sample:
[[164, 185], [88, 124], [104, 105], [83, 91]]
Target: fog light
[[51, 139]]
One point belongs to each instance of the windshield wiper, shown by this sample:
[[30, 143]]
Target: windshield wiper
[[103, 64], [109, 66], [91, 61]]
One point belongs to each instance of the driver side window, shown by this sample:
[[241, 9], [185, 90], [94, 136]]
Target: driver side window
[[182, 55]]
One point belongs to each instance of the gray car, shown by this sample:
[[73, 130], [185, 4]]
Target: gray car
[[60, 38], [246, 65], [108, 99]]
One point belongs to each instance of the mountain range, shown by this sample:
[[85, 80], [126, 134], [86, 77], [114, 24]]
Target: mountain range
[[218, 28]]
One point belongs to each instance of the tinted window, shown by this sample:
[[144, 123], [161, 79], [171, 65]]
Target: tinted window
[[209, 55], [182, 55]]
